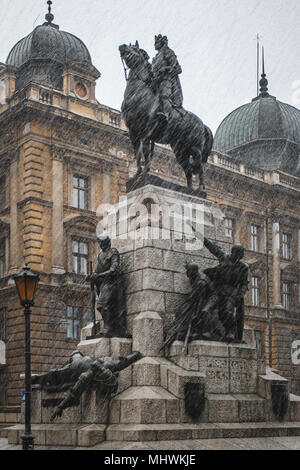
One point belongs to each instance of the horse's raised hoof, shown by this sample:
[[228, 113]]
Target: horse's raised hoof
[[201, 192]]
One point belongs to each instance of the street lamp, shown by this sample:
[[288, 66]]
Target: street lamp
[[26, 284]]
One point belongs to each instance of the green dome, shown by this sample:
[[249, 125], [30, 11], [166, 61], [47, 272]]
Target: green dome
[[41, 56], [47, 42], [263, 118]]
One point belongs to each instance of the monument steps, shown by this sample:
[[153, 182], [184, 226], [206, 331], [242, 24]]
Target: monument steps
[[184, 431], [154, 405], [9, 416], [89, 435], [144, 404], [150, 401], [60, 434], [157, 395]]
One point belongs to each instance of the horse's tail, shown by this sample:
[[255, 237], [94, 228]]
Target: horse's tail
[[208, 143]]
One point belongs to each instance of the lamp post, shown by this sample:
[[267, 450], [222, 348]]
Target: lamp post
[[26, 283]]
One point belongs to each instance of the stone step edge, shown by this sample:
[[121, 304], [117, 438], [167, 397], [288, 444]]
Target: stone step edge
[[162, 393], [4, 429], [10, 409], [161, 432], [71, 431], [165, 366]]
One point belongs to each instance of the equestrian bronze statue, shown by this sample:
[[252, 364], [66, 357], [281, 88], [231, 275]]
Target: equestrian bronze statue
[[153, 112]]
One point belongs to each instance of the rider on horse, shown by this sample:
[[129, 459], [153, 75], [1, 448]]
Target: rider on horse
[[152, 110], [167, 85]]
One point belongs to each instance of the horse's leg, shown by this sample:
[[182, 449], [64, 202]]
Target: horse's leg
[[139, 155], [152, 145], [198, 167], [138, 151], [189, 175], [183, 159], [147, 150]]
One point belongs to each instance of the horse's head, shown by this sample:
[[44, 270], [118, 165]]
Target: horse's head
[[132, 55]]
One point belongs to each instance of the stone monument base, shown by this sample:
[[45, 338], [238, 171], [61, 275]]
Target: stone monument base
[[151, 400], [149, 179]]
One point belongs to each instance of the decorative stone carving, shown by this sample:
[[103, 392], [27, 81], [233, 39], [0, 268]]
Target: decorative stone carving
[[58, 153]]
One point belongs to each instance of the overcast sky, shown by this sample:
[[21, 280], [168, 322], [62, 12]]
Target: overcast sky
[[214, 41]]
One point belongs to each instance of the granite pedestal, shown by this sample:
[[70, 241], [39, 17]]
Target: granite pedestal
[[150, 401]]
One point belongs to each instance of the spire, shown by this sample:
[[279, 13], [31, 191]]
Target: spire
[[257, 61], [49, 17], [263, 81]]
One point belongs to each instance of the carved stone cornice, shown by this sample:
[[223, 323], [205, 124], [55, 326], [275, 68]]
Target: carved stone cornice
[[76, 158], [252, 215], [78, 220], [34, 200], [57, 153], [228, 208]]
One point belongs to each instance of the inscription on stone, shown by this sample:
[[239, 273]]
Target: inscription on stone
[[217, 374], [243, 375]]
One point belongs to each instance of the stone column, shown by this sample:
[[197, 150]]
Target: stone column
[[93, 203], [276, 266], [106, 188], [57, 212], [241, 228], [14, 245]]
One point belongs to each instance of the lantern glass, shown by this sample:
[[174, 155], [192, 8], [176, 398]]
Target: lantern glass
[[26, 283]]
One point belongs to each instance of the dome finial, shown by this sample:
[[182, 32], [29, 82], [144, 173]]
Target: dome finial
[[49, 17], [263, 81]]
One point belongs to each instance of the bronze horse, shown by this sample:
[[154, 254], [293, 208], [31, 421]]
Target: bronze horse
[[184, 131]]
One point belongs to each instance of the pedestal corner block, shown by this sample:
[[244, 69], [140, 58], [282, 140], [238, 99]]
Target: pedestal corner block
[[148, 334]]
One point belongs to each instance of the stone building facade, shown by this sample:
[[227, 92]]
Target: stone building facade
[[62, 155]]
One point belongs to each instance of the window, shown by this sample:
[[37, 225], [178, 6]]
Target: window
[[2, 257], [255, 291], [254, 237], [286, 243], [79, 257], [3, 324], [80, 192], [229, 227], [2, 192], [286, 295], [73, 322]]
